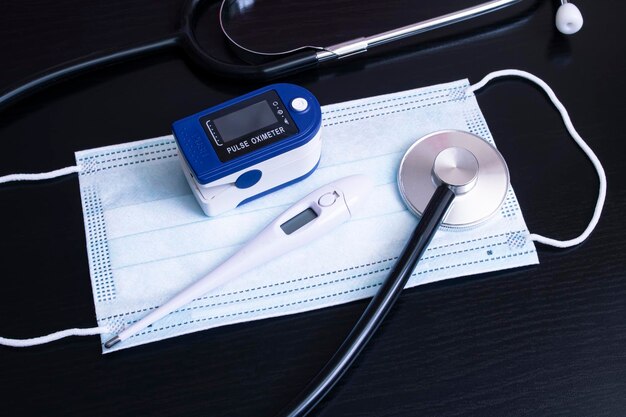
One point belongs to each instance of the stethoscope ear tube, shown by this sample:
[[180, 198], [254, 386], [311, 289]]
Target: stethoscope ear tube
[[301, 59], [288, 64], [70, 69], [378, 307], [276, 68], [185, 38]]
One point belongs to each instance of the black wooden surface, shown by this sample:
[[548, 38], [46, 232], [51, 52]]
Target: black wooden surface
[[545, 340]]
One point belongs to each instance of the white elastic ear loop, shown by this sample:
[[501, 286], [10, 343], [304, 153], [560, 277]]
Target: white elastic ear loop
[[63, 333], [586, 149], [41, 176], [53, 336]]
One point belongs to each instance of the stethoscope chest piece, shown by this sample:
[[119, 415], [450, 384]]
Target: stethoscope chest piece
[[472, 168]]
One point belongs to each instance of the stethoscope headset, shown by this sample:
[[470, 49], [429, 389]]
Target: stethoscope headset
[[448, 178], [276, 64]]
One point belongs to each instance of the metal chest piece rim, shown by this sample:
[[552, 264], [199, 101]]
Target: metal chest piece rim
[[472, 168]]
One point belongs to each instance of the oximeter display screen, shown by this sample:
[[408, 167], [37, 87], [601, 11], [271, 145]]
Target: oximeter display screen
[[248, 125], [244, 121]]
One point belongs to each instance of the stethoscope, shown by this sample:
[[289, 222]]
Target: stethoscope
[[282, 63], [449, 179]]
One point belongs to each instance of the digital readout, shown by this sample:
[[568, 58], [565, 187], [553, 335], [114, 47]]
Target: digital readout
[[299, 220], [245, 121]]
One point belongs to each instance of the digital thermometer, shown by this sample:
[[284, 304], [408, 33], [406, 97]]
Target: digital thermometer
[[318, 213], [250, 146]]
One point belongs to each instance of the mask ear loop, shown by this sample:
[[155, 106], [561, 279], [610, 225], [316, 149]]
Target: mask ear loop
[[40, 176], [63, 333], [53, 336], [574, 134]]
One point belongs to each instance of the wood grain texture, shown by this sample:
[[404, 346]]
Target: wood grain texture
[[540, 341]]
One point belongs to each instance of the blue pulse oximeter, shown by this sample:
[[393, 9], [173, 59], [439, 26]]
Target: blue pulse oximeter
[[250, 146]]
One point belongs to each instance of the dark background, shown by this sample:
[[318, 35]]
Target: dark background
[[544, 340]]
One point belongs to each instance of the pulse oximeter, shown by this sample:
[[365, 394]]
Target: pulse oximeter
[[250, 146]]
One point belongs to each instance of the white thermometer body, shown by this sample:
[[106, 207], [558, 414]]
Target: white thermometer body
[[318, 213]]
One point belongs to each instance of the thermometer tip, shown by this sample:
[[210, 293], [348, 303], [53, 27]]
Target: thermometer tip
[[112, 342]]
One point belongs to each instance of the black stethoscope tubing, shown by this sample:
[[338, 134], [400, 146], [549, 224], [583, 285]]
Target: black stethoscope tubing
[[378, 307], [283, 63], [184, 38]]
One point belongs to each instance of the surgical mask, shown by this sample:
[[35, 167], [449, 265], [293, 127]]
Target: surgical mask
[[147, 238]]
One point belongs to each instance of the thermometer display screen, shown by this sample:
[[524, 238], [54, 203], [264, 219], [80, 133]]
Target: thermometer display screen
[[248, 125], [298, 221]]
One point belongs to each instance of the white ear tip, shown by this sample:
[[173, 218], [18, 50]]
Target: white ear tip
[[569, 20]]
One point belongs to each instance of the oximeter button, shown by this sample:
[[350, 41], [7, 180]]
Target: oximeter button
[[248, 179], [328, 199], [299, 104]]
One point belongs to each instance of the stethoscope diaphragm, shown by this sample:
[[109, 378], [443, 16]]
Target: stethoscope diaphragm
[[477, 166]]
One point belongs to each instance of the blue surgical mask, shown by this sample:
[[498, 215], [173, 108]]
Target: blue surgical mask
[[147, 238]]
